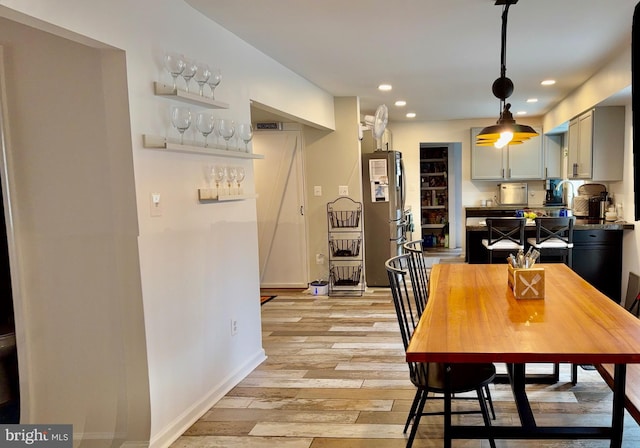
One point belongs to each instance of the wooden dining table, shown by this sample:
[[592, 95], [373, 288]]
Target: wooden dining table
[[472, 316]]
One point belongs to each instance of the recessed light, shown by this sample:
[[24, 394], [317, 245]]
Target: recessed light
[[532, 100], [384, 87], [521, 112], [400, 103], [411, 115], [548, 82]]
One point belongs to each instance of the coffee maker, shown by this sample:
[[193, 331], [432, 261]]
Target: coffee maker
[[553, 195], [598, 205]]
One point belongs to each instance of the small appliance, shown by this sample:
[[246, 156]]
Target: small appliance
[[554, 192], [513, 193]]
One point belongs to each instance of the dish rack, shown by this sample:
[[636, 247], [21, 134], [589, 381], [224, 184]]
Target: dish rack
[[345, 247]]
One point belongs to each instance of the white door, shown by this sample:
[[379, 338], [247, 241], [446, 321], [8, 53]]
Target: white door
[[280, 207]]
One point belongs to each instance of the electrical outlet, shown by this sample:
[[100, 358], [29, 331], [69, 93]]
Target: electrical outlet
[[234, 327], [319, 259], [155, 204], [343, 190]]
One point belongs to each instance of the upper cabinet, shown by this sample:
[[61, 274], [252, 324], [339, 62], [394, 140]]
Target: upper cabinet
[[513, 162], [596, 144], [553, 148]]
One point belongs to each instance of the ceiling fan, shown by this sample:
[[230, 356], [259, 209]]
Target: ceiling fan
[[377, 123]]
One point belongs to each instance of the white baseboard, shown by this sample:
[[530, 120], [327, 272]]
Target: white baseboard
[[166, 436]]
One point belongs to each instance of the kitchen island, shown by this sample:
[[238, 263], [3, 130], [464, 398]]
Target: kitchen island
[[597, 251]]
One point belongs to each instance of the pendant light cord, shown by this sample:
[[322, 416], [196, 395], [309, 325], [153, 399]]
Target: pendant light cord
[[503, 53]]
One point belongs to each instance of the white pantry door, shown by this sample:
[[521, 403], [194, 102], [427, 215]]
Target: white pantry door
[[282, 235]]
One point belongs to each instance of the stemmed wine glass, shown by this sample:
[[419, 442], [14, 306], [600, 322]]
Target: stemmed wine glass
[[213, 81], [232, 174], [174, 63], [227, 129], [240, 174], [209, 175], [218, 175], [245, 132], [189, 71], [181, 119], [204, 124], [202, 75]]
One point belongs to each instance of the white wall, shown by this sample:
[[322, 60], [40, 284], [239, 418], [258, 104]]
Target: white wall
[[331, 159], [198, 263]]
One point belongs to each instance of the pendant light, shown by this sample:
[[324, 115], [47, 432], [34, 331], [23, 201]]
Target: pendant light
[[506, 131]]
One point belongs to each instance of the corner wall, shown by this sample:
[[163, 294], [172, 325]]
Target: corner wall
[[331, 159]]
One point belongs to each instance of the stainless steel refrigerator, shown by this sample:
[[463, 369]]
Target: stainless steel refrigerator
[[384, 218]]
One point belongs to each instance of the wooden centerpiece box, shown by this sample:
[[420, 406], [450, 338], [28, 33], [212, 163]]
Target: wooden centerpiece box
[[526, 283]]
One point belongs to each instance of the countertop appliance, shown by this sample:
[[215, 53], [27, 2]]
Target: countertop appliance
[[513, 193], [554, 192], [384, 217]]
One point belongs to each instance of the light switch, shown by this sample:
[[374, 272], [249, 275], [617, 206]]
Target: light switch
[[317, 190], [156, 205], [343, 190]]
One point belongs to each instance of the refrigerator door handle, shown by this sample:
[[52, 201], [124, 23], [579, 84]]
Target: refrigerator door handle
[[403, 185]]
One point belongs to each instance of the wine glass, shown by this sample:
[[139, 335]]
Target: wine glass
[[204, 124], [174, 63], [189, 71], [218, 175], [181, 119], [245, 132], [240, 175], [209, 175], [216, 129], [213, 81], [227, 129], [202, 75], [232, 174]]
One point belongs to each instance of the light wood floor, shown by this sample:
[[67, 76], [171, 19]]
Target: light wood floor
[[336, 377]]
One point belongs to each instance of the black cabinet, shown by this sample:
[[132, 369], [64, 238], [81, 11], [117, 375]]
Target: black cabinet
[[597, 257]]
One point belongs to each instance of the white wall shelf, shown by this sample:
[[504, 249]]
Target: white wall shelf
[[168, 91], [207, 195], [162, 143]]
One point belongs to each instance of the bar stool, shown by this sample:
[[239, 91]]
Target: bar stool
[[554, 237], [504, 235]]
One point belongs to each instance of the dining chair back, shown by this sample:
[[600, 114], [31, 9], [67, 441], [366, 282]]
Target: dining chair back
[[418, 273], [433, 377], [504, 235], [554, 237]]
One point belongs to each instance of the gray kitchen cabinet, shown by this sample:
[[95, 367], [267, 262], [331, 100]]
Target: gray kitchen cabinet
[[596, 144], [513, 162], [553, 146]]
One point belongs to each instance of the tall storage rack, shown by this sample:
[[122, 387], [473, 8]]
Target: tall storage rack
[[344, 218]]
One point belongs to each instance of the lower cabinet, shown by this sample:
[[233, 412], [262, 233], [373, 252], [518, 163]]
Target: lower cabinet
[[597, 257]]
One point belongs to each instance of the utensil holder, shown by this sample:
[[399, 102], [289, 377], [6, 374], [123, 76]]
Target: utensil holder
[[526, 283]]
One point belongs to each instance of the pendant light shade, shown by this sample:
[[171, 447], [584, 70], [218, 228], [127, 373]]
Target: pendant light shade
[[506, 131]]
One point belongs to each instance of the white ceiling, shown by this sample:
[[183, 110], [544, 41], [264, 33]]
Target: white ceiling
[[441, 56]]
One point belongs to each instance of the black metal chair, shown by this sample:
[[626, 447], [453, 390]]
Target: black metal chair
[[418, 273], [554, 237], [504, 235], [430, 377]]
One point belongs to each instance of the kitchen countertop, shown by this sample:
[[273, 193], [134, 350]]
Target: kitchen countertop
[[479, 223]]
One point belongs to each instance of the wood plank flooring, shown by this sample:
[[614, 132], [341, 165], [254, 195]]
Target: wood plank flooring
[[336, 377]]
